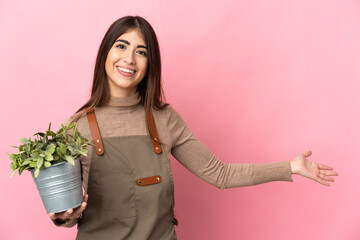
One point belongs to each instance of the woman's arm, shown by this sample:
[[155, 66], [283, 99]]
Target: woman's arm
[[197, 158]]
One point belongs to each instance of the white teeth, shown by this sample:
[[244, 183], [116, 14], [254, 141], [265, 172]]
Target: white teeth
[[125, 70]]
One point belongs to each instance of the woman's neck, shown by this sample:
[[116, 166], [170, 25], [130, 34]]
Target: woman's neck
[[128, 101]]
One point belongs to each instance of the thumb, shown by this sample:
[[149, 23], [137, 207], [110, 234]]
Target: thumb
[[307, 153]]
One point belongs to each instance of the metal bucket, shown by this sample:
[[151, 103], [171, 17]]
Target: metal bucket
[[60, 186]]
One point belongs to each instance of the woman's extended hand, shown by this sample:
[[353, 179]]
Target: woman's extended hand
[[70, 213], [315, 171]]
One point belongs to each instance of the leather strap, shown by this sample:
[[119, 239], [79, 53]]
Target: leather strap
[[153, 133], [95, 132], [148, 180], [94, 128]]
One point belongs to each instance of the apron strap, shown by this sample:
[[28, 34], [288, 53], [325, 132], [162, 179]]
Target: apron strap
[[95, 132], [94, 128], [153, 133]]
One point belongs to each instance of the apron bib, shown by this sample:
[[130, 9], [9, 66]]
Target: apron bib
[[130, 187]]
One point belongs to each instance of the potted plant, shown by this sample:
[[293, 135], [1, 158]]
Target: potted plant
[[53, 159]]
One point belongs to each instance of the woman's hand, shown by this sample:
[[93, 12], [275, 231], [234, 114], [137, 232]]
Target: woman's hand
[[70, 213], [315, 171]]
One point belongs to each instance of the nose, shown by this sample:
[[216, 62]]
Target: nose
[[129, 57]]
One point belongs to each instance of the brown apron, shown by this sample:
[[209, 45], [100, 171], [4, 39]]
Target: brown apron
[[130, 187]]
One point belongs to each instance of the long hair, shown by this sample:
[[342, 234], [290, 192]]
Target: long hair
[[150, 89]]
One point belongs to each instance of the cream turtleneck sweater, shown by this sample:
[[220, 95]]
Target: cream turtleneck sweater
[[126, 116]]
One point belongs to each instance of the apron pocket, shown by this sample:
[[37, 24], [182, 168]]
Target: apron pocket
[[118, 193]]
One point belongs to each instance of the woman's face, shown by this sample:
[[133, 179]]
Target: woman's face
[[126, 63]]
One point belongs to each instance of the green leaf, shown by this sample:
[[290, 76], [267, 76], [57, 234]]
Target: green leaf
[[59, 151], [34, 154], [13, 146], [36, 173], [24, 140], [49, 126], [26, 162], [84, 152], [48, 156], [13, 157], [74, 133], [40, 162], [60, 130], [12, 174], [40, 145], [78, 142], [47, 164], [33, 164], [50, 149], [72, 125], [72, 150], [50, 133], [70, 159], [27, 149], [63, 148], [41, 134]]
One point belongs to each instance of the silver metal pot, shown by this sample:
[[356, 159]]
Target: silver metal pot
[[60, 186]]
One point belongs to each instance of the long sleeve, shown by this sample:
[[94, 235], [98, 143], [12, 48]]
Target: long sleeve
[[197, 158]]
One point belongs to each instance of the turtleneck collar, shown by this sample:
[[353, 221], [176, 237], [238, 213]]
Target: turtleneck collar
[[129, 101]]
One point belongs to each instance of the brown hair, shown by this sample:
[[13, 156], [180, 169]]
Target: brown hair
[[150, 89]]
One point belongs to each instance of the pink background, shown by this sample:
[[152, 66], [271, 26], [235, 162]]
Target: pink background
[[256, 81]]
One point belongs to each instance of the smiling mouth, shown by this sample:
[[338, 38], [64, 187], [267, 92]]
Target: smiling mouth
[[126, 70]]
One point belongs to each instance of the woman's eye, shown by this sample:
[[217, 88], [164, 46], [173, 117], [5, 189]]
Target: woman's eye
[[142, 53], [120, 46]]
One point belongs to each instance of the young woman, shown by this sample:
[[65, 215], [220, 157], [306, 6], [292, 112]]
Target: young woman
[[129, 192]]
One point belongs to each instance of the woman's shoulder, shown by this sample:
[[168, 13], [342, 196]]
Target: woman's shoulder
[[76, 117], [80, 119], [166, 109], [168, 113]]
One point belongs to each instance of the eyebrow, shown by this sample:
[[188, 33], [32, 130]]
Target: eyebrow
[[128, 43]]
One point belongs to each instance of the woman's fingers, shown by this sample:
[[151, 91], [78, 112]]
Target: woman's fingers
[[323, 177], [322, 166], [328, 173], [61, 215], [70, 213], [77, 213], [325, 173], [86, 197], [64, 215], [52, 216], [323, 182], [307, 153]]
